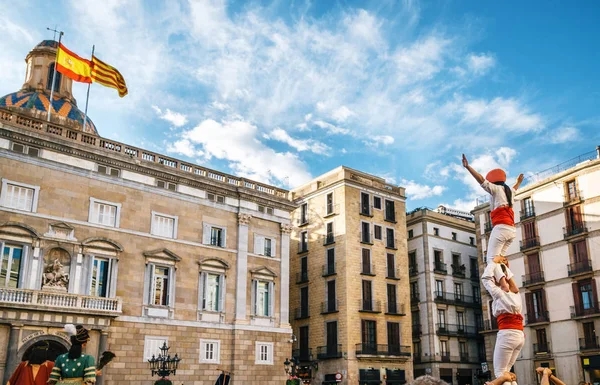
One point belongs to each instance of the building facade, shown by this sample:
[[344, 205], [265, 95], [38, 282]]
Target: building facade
[[350, 291], [138, 247], [445, 295], [555, 258]]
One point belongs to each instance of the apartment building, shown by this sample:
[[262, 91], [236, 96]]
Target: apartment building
[[141, 248], [445, 295], [350, 294], [555, 258]]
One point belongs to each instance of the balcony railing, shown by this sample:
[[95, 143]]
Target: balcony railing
[[581, 267], [584, 310], [413, 271], [573, 197], [329, 307], [373, 306], [527, 213], [464, 357], [383, 350], [456, 330], [440, 267], [575, 229], [415, 297], [529, 243], [392, 272], [366, 269], [326, 352], [417, 329], [534, 278], [328, 269], [589, 343], [332, 209], [302, 277], [542, 348], [474, 275], [302, 312], [445, 357], [537, 318], [42, 300], [394, 308], [328, 239], [390, 244], [488, 227], [458, 270], [302, 247], [490, 324], [366, 238], [303, 355], [456, 298]]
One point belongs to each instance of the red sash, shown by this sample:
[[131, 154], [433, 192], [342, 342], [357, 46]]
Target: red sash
[[503, 215], [510, 321]]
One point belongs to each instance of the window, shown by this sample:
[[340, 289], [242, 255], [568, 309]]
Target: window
[[10, 265], [365, 232], [458, 290], [437, 256], [439, 287], [101, 276], [19, 196], [152, 345], [414, 289], [51, 73], [391, 266], [210, 351], [460, 320], [476, 294], [366, 261], [456, 260], [329, 236], [367, 295], [263, 298], [365, 204], [214, 235], [330, 267], [472, 241], [212, 291], [571, 191], [332, 338], [303, 270], [377, 203], [392, 306], [164, 225], [587, 296], [390, 241], [160, 286], [215, 198], [436, 231], [369, 336], [267, 210], [453, 236], [412, 261], [377, 232], [393, 331], [166, 185], [25, 149], [442, 318], [410, 234], [462, 348], [303, 313], [264, 246], [304, 213], [303, 342], [303, 244], [390, 211], [444, 348], [329, 203], [527, 207], [104, 213], [331, 297], [264, 353], [106, 170]]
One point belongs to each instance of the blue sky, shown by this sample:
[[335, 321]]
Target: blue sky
[[283, 91]]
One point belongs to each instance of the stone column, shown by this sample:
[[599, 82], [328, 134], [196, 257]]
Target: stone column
[[102, 347], [11, 352], [241, 289], [285, 275]]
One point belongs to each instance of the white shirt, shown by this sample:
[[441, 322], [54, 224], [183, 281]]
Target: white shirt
[[498, 195], [504, 303]]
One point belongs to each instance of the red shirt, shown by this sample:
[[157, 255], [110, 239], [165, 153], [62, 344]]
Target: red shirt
[[503, 215], [510, 321]]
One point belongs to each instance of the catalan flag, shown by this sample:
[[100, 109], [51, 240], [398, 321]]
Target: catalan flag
[[73, 66], [108, 76]]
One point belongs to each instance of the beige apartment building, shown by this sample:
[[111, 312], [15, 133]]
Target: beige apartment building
[[555, 259], [350, 295], [141, 248], [445, 295]]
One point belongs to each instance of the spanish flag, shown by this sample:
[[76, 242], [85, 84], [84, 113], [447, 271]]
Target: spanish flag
[[108, 76], [73, 66]]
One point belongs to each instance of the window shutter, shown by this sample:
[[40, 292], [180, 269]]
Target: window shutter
[[576, 297], [114, 273], [543, 297], [253, 297], [148, 283], [201, 291], [594, 294], [273, 248], [224, 238], [259, 245], [271, 299], [205, 234], [529, 302], [222, 293], [171, 299], [24, 268], [87, 290]]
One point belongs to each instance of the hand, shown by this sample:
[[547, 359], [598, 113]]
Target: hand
[[548, 371], [520, 178], [539, 370], [465, 162], [98, 373]]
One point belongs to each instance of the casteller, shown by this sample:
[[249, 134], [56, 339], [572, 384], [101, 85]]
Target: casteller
[[496, 175]]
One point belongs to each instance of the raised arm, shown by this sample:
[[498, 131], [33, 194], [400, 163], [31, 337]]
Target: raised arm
[[475, 174], [519, 180]]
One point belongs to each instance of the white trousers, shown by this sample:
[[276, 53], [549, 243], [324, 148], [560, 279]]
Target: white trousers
[[509, 343], [500, 238]]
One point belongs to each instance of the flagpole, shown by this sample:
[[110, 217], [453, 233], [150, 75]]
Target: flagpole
[[54, 76], [87, 98]]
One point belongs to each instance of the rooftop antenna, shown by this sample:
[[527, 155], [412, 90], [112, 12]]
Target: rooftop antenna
[[54, 30]]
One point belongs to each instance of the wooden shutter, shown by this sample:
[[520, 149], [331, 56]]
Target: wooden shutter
[[577, 217], [224, 237], [533, 262], [88, 275], [331, 295], [259, 245], [206, 234], [577, 297], [580, 251], [271, 299], [202, 291], [273, 248], [114, 273], [529, 303], [148, 283], [223, 293], [543, 306], [367, 291], [594, 295], [253, 292], [171, 294], [366, 261]]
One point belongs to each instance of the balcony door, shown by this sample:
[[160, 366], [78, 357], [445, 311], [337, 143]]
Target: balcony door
[[367, 296], [332, 338], [528, 231], [574, 217], [580, 254], [393, 329], [369, 337], [542, 340], [304, 356], [331, 305], [304, 302], [589, 334]]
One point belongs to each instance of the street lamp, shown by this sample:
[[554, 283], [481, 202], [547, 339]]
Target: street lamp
[[290, 366], [164, 364]]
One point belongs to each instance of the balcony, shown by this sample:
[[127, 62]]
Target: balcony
[[531, 279], [302, 277], [541, 317], [413, 271], [440, 267], [390, 244], [302, 313], [329, 307], [372, 306], [529, 243], [573, 198], [417, 330], [302, 247], [459, 271], [575, 230], [366, 238], [464, 357], [328, 270], [366, 210], [578, 268], [527, 213], [415, 298], [589, 343], [445, 357], [490, 325], [328, 352], [394, 308], [457, 330], [64, 302], [303, 355], [488, 227], [474, 275], [332, 209], [585, 310], [456, 299], [539, 349], [383, 350], [392, 273], [328, 239]]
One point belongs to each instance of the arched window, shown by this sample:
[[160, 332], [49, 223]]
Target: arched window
[[50, 75]]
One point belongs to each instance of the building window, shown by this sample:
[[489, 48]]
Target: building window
[[377, 203], [263, 298], [476, 294], [164, 225], [458, 290], [102, 274], [166, 185], [264, 246], [329, 235], [264, 353], [454, 236], [439, 287], [366, 261], [367, 295], [303, 270], [527, 207], [212, 291], [390, 211], [104, 213], [391, 266], [392, 305], [152, 345], [10, 265], [377, 232], [572, 193], [25, 149], [303, 244], [444, 348], [304, 213], [106, 170], [410, 234], [412, 262], [331, 305], [365, 236], [414, 290], [442, 318], [460, 320], [329, 204], [267, 210], [214, 235], [365, 204], [215, 198], [390, 240], [587, 296], [369, 337], [330, 258], [160, 286], [51, 76], [462, 348], [436, 231], [472, 241], [19, 196], [210, 351]]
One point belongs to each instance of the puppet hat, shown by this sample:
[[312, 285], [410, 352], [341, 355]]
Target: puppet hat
[[496, 175]]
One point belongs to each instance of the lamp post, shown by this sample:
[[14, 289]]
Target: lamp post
[[164, 364], [290, 366]]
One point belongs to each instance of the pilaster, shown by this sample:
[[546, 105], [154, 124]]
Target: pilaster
[[241, 289], [286, 229]]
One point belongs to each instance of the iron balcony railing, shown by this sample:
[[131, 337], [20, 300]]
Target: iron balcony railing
[[390, 243], [373, 306], [456, 330], [394, 308], [456, 298], [490, 324], [302, 247], [527, 213], [534, 318], [589, 343], [332, 209], [415, 297], [329, 306], [302, 277], [383, 350], [440, 267], [413, 271], [302, 312], [329, 351], [575, 229], [328, 239], [488, 227], [303, 355], [459, 270], [529, 243], [542, 348], [579, 267], [533, 278], [417, 329], [328, 269], [583, 310]]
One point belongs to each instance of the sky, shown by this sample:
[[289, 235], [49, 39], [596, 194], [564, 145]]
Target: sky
[[283, 91]]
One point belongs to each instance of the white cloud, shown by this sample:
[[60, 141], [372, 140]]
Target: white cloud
[[342, 114], [418, 191], [332, 129], [377, 140], [563, 135], [422, 60], [175, 118], [299, 144], [481, 63], [435, 171], [505, 155], [501, 114], [184, 147]]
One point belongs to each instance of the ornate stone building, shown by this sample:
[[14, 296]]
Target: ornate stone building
[[138, 247]]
